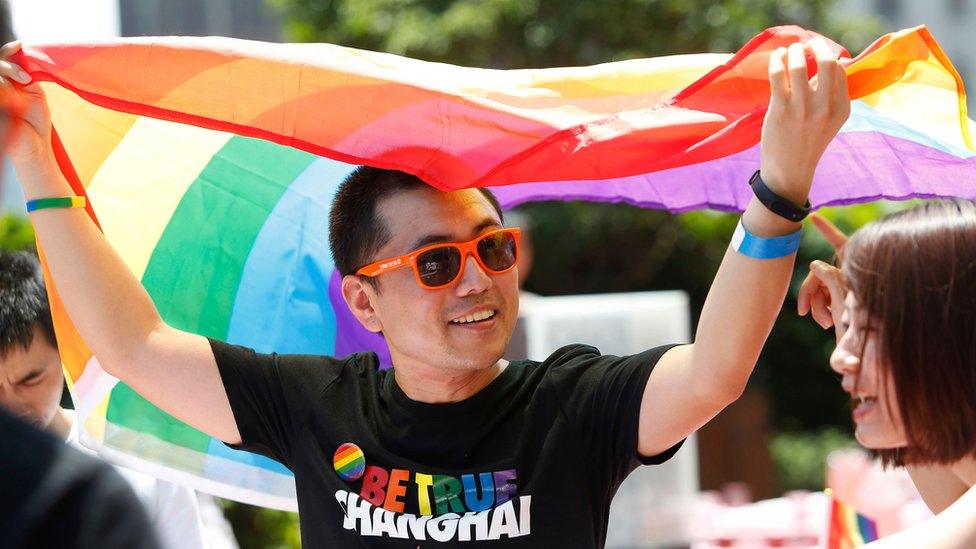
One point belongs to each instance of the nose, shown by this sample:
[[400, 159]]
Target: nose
[[846, 362], [845, 358], [474, 280]]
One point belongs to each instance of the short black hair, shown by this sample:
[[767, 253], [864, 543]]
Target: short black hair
[[356, 230], [23, 302]]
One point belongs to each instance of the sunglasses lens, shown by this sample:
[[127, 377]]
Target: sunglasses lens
[[497, 251], [439, 266]]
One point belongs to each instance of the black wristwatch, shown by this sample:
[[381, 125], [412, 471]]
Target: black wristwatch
[[776, 203]]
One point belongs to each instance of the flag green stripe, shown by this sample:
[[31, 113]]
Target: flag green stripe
[[195, 269]]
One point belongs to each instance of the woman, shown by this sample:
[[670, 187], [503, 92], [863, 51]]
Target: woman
[[903, 305]]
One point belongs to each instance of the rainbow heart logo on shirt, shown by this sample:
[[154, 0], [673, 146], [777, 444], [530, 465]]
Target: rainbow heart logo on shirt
[[349, 462]]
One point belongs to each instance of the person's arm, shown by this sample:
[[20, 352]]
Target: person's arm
[[693, 383], [172, 369], [953, 528]]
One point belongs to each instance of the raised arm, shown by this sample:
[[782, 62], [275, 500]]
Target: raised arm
[[172, 369], [693, 383]]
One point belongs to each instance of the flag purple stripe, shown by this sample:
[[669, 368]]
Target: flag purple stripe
[[857, 167]]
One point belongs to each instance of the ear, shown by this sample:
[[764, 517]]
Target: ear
[[359, 295]]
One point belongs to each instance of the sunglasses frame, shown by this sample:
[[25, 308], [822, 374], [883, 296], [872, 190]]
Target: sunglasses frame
[[470, 247]]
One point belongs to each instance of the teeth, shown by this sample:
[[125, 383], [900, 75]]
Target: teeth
[[474, 317]]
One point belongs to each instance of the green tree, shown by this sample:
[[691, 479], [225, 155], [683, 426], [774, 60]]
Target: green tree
[[16, 233], [546, 33]]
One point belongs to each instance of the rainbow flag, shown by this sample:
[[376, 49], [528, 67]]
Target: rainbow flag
[[210, 165], [846, 528]]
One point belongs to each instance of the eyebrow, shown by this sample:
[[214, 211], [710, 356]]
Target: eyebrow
[[436, 238], [31, 375]]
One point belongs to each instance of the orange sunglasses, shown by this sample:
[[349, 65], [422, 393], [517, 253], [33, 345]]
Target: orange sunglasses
[[439, 265]]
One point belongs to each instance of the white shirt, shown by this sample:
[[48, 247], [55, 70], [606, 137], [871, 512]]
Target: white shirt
[[172, 509]]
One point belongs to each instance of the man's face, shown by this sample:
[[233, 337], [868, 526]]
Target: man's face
[[31, 381], [421, 325]]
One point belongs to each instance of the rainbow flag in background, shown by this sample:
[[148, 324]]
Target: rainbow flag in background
[[210, 164], [846, 528]]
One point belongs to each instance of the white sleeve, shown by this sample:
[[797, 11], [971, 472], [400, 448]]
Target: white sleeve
[[217, 531], [176, 517]]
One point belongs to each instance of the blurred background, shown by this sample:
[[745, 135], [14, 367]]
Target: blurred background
[[777, 437]]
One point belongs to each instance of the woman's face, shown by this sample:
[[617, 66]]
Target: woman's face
[[877, 419]]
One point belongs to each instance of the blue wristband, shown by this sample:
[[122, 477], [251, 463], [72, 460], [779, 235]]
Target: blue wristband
[[758, 247]]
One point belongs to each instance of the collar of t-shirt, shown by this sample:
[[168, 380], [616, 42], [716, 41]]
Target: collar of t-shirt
[[445, 433], [471, 406]]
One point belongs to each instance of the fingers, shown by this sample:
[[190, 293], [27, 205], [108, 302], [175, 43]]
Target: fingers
[[779, 84], [834, 236], [788, 73], [798, 127], [9, 49], [810, 285], [14, 72], [820, 309], [796, 65], [10, 70], [841, 92], [835, 288], [830, 96], [826, 64], [822, 295], [831, 277], [831, 91]]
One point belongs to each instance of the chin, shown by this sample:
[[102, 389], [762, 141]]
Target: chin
[[477, 356], [478, 363], [482, 359], [878, 441]]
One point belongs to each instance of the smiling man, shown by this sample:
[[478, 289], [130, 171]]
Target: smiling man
[[454, 445]]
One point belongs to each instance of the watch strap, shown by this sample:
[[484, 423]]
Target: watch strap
[[776, 203]]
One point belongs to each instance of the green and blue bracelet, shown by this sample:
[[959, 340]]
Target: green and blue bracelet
[[56, 202]]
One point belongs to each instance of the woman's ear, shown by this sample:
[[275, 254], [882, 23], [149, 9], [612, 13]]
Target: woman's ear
[[359, 295]]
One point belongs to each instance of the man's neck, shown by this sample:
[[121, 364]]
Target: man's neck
[[62, 424], [435, 386]]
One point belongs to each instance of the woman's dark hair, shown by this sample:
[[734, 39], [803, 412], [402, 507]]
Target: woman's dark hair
[[914, 275]]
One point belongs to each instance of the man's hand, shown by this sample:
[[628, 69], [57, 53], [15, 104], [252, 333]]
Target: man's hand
[[32, 141], [693, 383], [115, 316], [803, 116]]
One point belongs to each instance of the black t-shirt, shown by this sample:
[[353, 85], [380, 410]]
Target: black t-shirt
[[532, 460], [52, 495]]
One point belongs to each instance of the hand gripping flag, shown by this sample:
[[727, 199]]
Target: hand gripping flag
[[210, 165]]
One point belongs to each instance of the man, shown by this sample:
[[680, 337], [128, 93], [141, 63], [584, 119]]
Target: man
[[455, 445], [32, 384], [55, 496]]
